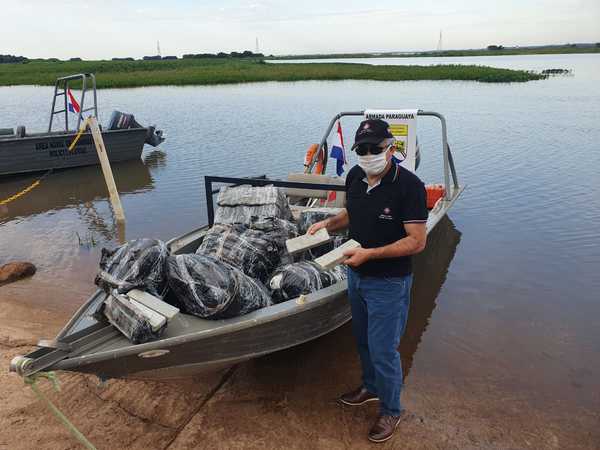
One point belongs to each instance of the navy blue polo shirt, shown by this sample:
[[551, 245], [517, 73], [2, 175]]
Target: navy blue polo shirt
[[378, 214]]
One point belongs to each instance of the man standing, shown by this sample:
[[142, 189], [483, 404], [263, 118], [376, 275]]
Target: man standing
[[386, 213]]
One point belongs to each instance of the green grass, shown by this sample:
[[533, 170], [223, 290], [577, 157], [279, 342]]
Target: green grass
[[121, 74]]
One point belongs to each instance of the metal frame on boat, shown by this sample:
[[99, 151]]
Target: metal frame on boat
[[449, 168], [63, 83], [191, 344], [452, 188]]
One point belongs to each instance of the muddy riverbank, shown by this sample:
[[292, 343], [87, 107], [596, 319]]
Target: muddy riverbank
[[285, 400]]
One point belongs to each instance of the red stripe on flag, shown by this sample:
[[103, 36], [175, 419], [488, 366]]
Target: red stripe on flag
[[73, 101], [339, 130]]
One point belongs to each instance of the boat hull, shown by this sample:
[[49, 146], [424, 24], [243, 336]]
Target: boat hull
[[40, 152], [259, 333]]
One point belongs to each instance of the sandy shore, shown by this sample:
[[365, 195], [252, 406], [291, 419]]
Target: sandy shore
[[285, 400]]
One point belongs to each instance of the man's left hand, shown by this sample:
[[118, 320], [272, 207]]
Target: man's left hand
[[357, 256]]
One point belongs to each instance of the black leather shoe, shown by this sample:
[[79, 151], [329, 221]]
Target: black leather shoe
[[384, 427], [359, 396]]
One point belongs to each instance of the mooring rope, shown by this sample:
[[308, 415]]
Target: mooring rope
[[51, 376], [29, 188]]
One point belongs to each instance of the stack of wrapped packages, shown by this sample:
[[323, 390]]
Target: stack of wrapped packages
[[241, 265]]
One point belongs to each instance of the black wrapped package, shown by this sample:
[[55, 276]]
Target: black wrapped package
[[137, 264], [130, 320], [304, 277], [256, 249], [213, 289], [313, 215], [239, 204]]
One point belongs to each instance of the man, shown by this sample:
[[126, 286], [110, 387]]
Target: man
[[386, 213]]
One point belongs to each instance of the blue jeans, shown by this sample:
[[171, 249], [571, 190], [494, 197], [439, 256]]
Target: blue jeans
[[379, 312]]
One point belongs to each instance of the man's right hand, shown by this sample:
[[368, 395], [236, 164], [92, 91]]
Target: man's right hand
[[317, 226]]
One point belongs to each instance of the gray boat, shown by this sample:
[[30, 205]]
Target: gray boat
[[191, 344], [22, 151]]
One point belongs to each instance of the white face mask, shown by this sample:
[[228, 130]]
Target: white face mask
[[373, 164]]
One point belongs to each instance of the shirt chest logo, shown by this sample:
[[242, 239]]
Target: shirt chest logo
[[386, 214]]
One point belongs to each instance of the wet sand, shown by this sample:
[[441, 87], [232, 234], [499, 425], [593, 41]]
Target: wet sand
[[287, 400]]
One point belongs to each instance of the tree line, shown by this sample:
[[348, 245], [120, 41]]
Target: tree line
[[244, 54], [11, 59]]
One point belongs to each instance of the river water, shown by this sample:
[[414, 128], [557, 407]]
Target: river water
[[516, 299]]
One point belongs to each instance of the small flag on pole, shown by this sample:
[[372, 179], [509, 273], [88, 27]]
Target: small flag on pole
[[338, 152], [72, 104]]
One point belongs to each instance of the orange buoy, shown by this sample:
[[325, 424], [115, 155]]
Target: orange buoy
[[310, 154]]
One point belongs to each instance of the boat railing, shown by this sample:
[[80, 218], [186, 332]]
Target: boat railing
[[61, 89], [449, 169], [210, 180]]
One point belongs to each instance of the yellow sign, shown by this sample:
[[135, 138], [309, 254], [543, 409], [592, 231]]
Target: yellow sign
[[400, 129], [403, 126]]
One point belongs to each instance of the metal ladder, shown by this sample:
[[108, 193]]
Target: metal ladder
[[88, 81]]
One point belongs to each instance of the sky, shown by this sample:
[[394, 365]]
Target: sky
[[110, 28]]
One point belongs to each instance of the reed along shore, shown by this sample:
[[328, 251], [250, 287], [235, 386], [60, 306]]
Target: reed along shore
[[211, 71]]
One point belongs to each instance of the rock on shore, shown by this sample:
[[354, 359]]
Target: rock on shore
[[14, 271]]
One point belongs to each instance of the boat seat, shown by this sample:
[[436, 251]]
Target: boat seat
[[7, 131], [20, 131], [322, 194]]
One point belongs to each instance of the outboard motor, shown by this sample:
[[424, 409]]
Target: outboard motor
[[154, 137], [122, 121]]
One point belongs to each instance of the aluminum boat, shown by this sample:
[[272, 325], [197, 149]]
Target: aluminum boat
[[22, 151]]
